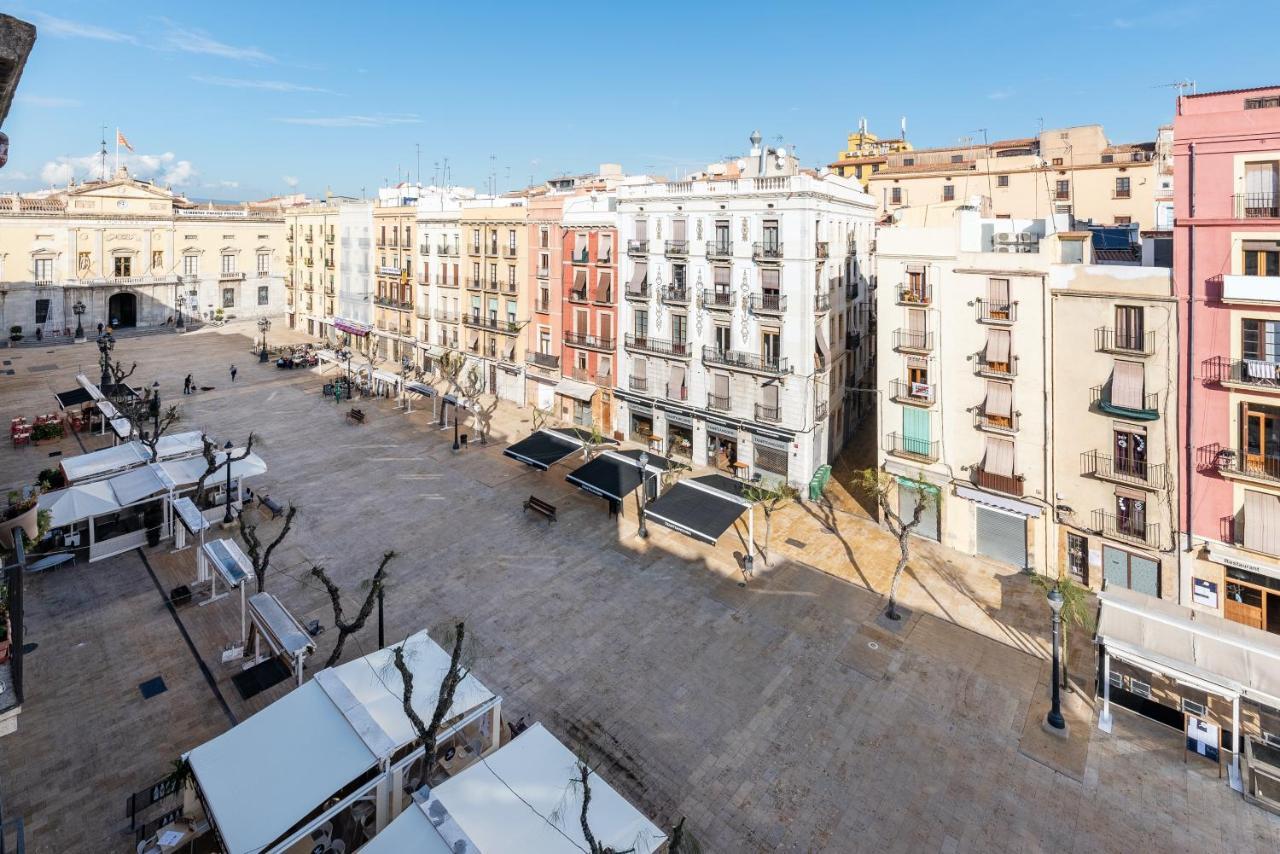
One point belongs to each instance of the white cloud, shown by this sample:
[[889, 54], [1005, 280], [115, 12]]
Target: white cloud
[[999, 95], [14, 175], [66, 28], [265, 85], [163, 168], [186, 40], [379, 120], [50, 101], [290, 180]]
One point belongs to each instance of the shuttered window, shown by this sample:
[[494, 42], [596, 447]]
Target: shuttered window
[[1261, 522], [1127, 385]]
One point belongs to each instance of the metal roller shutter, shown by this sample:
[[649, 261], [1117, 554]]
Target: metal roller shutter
[[908, 496], [1002, 536]]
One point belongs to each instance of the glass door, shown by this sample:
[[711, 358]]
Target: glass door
[[1261, 441]]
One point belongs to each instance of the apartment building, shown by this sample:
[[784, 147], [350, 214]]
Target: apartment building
[[735, 312], [544, 338], [312, 258], [131, 253], [589, 310], [354, 321], [1075, 171], [1227, 246], [1028, 393], [395, 291], [438, 308], [865, 154], [495, 300]]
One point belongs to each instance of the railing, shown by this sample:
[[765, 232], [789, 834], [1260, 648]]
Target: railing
[[984, 368], [718, 299], [1249, 373], [474, 249], [677, 294], [576, 295], [677, 248], [638, 384], [543, 360], [328, 238], [1108, 340], [984, 420], [820, 410], [640, 291], [595, 342], [661, 346], [637, 247], [746, 361], [768, 251], [544, 272], [508, 252], [475, 284], [444, 282], [446, 316], [228, 277], [680, 393], [768, 413], [920, 394], [496, 324], [768, 303], [1237, 461], [1126, 528], [447, 249], [912, 339], [493, 249], [1256, 205], [310, 238], [542, 306], [915, 294], [821, 302], [1150, 404], [719, 248], [909, 446], [1122, 470], [720, 403], [1008, 484], [822, 249], [996, 312]]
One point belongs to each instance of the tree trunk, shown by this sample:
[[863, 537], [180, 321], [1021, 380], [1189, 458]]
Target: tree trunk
[[892, 613], [768, 523]]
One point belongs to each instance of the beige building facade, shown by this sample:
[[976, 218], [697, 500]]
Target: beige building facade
[[313, 255], [495, 307]]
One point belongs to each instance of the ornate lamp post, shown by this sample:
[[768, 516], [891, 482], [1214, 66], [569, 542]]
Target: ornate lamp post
[[180, 302], [79, 309], [155, 408], [456, 445], [1054, 719], [106, 343], [226, 518], [263, 325], [644, 493]]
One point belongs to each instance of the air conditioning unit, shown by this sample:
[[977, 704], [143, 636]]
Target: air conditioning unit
[[1004, 237], [1005, 249], [1026, 237], [1193, 708]]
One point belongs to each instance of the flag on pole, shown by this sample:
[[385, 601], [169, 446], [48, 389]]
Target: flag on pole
[[120, 140]]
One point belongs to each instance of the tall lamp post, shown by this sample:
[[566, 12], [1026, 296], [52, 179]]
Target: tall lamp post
[[456, 444], [226, 519], [155, 409], [79, 309], [1054, 719], [180, 302], [263, 325], [644, 493], [106, 342]]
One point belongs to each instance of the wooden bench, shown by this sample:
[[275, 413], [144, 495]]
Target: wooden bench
[[356, 415], [272, 507], [537, 505]]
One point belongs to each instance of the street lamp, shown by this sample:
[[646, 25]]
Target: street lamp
[[226, 519], [79, 309], [155, 408], [106, 342], [456, 445], [1054, 719], [180, 302], [644, 489], [263, 325]]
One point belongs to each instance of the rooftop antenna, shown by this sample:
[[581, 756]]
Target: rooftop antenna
[[417, 148], [104, 153], [446, 171], [1181, 86], [903, 125], [493, 177]]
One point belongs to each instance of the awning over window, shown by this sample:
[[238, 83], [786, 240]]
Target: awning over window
[[999, 399], [576, 390], [1261, 522], [543, 449], [1127, 385], [701, 507], [998, 345], [999, 457], [638, 277], [579, 280]]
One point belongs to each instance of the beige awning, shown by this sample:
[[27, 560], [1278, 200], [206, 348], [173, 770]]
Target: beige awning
[[999, 457], [721, 275], [998, 291], [579, 243], [638, 277], [998, 345], [640, 369], [576, 390], [579, 280], [1261, 522], [1127, 385], [474, 341], [679, 229], [770, 278], [999, 399], [916, 319], [676, 380]]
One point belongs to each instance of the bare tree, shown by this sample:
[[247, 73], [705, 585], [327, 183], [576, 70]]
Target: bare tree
[[881, 487], [209, 450], [428, 732], [467, 383], [770, 500], [541, 417], [335, 597], [145, 418], [260, 557], [119, 390], [593, 846], [593, 444]]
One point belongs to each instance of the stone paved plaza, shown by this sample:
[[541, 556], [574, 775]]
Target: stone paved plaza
[[784, 715]]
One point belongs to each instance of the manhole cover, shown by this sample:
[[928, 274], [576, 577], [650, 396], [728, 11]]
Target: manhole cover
[[152, 687], [872, 645]]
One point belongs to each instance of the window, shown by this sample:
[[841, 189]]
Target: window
[[641, 326], [44, 270], [1134, 572], [1122, 188], [724, 339], [1123, 220], [1057, 161], [1260, 339], [679, 328], [1062, 189], [264, 295], [957, 158], [228, 297], [493, 275], [1131, 513], [723, 294], [771, 240], [123, 266], [770, 345], [1002, 180], [1261, 258], [1130, 446], [511, 239], [544, 239], [1262, 103], [42, 311], [948, 192], [1078, 557], [544, 342], [1108, 158], [895, 195], [1130, 328], [908, 161], [677, 277], [228, 262], [511, 276], [264, 263]]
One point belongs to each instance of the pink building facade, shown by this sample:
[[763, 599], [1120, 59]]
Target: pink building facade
[[589, 276], [543, 356], [1227, 278]]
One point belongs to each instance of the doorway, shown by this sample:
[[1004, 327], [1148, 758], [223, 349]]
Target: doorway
[[1262, 440], [122, 310]]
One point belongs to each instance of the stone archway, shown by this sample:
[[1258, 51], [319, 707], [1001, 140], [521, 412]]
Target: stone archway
[[122, 310]]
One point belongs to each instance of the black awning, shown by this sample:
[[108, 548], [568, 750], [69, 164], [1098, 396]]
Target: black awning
[[704, 514], [582, 435], [75, 397], [606, 476], [542, 449], [420, 388]]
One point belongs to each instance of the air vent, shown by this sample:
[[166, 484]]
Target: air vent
[[1142, 689], [1271, 739], [1193, 708], [1116, 680]]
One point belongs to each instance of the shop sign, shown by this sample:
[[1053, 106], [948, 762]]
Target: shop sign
[[1202, 737], [1204, 592]]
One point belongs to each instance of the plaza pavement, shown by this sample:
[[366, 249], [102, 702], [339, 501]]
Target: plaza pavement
[[783, 715]]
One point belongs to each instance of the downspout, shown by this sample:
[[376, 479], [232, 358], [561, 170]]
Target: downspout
[[1191, 337], [1048, 312]]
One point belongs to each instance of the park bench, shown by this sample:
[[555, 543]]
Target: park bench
[[537, 505], [356, 415], [271, 506]]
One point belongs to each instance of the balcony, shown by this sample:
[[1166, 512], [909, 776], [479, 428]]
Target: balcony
[[912, 341], [658, 346], [582, 257], [1005, 425], [820, 410], [1251, 290], [912, 394], [640, 384], [508, 252], [1256, 206], [640, 291], [506, 327], [578, 295], [719, 403], [774, 365], [444, 282], [391, 302], [542, 306], [1100, 396], [550, 361], [637, 247], [446, 316], [675, 295], [1238, 463], [1002, 483], [310, 237], [677, 249], [231, 276], [1107, 340], [767, 303], [996, 312], [447, 249], [822, 249], [289, 236], [770, 414], [475, 284], [590, 342], [493, 249], [919, 294], [821, 303], [1246, 374], [678, 393], [328, 238], [913, 448], [474, 249], [719, 250], [998, 370], [718, 300], [1129, 528], [767, 252], [1122, 470], [544, 272]]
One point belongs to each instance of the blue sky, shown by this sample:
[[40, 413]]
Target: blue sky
[[243, 100]]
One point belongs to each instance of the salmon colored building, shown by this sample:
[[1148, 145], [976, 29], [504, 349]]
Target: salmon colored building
[[589, 319], [544, 337]]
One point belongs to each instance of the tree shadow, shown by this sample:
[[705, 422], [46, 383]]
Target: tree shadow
[[826, 515]]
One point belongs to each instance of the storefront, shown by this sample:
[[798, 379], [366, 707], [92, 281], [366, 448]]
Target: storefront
[[679, 436], [641, 427], [769, 457], [911, 493], [1000, 525], [722, 447]]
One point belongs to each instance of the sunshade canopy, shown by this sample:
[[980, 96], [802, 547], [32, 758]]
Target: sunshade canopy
[[577, 390], [700, 508], [607, 476], [74, 397], [420, 388], [78, 503], [140, 483], [231, 562], [411, 833], [543, 449], [286, 633], [190, 516], [106, 461], [187, 472]]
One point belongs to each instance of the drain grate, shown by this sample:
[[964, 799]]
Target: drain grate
[[37, 369], [153, 687], [797, 544], [55, 453]]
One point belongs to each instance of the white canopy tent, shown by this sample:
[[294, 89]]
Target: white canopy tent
[[187, 472], [78, 503], [109, 461], [108, 510]]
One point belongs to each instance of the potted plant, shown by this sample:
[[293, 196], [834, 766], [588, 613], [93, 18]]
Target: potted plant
[[5, 635], [15, 332], [47, 432], [153, 519], [20, 514], [51, 479]]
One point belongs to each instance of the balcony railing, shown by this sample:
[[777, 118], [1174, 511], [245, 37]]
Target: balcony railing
[[544, 272], [542, 306], [640, 384], [1005, 483], [677, 248], [475, 284], [1256, 205], [915, 394], [912, 339], [1237, 462], [821, 302], [543, 360], [496, 324], [447, 249], [820, 410], [446, 316], [637, 247], [913, 448], [720, 403], [676, 295], [984, 368], [577, 295], [822, 249], [660, 346], [722, 300], [719, 249], [226, 276], [1108, 340], [767, 251], [1122, 470], [770, 303], [996, 312], [1253, 374], [746, 361], [446, 282], [772, 414], [1150, 411], [637, 291], [920, 294], [508, 252], [594, 342], [995, 423], [1131, 528]]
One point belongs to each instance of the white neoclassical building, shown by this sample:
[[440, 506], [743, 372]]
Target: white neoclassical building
[[743, 314]]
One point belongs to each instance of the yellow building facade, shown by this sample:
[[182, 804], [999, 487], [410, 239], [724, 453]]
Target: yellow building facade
[[495, 303], [865, 154], [312, 257]]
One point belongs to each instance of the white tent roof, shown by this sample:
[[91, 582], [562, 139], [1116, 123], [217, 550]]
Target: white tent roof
[[186, 472], [135, 485], [89, 386], [411, 833], [482, 801], [261, 777], [179, 445], [79, 502], [1239, 658], [105, 461]]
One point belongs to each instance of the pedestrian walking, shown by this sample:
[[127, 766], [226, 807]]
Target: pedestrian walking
[[233, 373], [186, 385], [99, 327]]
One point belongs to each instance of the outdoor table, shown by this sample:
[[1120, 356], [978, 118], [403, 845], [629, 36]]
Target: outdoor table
[[462, 757], [740, 469]]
